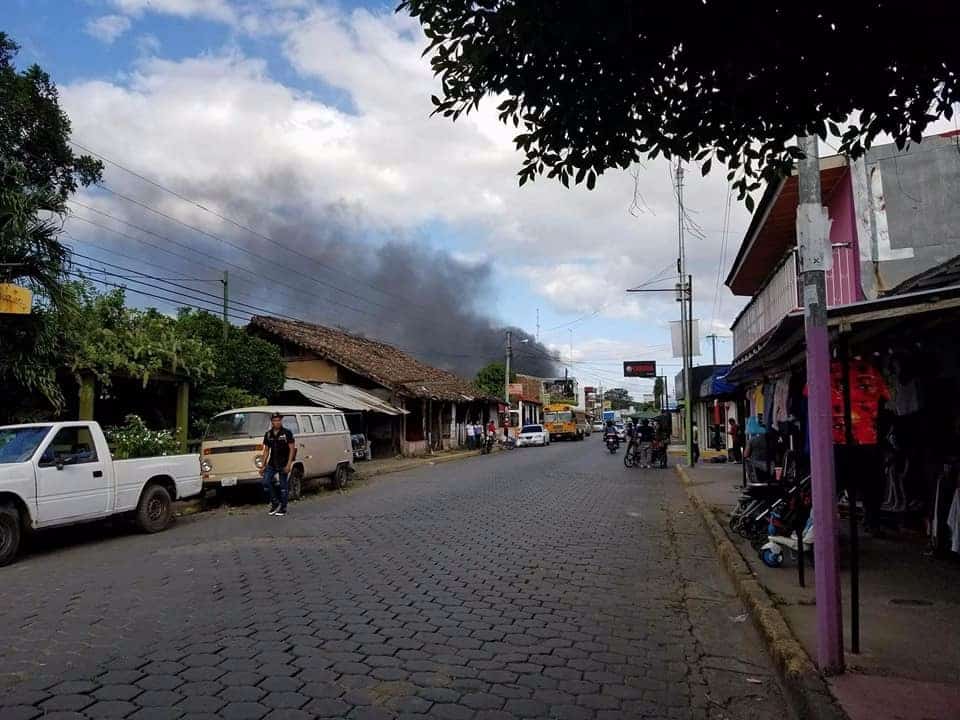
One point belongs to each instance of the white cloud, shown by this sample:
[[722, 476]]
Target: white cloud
[[218, 126], [107, 28], [219, 10]]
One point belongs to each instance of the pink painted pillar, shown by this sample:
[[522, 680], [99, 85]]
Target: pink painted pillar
[[814, 250]]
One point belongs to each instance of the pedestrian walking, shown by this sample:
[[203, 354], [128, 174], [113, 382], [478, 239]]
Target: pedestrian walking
[[733, 430], [279, 452], [471, 429]]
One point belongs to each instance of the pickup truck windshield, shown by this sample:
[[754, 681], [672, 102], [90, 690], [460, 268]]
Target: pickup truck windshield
[[18, 444], [234, 425]]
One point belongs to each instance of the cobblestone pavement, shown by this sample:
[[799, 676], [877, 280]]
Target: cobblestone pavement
[[545, 582]]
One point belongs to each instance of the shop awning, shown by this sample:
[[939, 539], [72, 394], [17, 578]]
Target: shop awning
[[716, 385], [342, 397]]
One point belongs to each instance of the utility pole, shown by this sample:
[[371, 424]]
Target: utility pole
[[226, 302], [813, 231], [686, 319], [506, 374]]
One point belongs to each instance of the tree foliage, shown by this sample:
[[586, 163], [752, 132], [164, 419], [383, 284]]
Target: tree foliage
[[248, 369], [490, 378], [34, 132], [619, 398], [601, 85], [38, 172], [112, 339]]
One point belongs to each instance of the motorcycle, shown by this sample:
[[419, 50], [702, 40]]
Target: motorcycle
[[772, 552], [488, 442], [659, 454], [612, 442]]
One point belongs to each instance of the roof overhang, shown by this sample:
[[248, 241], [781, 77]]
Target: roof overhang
[[342, 397], [772, 231], [784, 344]]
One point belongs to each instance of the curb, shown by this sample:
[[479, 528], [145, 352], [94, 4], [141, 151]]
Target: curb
[[806, 688]]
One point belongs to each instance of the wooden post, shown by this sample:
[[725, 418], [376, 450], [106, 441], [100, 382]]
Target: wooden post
[[183, 414], [88, 386]]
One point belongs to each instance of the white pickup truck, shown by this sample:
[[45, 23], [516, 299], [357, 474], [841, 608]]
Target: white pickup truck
[[61, 473]]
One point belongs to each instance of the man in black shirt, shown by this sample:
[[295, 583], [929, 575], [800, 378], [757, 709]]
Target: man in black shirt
[[279, 452]]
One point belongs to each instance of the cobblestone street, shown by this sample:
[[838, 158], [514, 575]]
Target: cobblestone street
[[546, 582]]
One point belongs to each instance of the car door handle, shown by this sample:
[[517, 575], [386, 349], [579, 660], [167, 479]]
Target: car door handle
[[98, 473]]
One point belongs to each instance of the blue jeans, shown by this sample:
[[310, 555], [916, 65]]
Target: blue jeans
[[276, 491]]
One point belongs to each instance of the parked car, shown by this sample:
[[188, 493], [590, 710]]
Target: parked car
[[533, 435], [62, 473], [597, 426], [232, 450]]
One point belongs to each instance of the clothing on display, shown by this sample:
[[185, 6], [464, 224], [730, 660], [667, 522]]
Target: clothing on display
[[868, 390], [781, 394], [953, 522]]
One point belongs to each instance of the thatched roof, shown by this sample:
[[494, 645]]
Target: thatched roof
[[377, 361]]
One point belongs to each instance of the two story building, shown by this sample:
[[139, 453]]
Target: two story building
[[893, 293]]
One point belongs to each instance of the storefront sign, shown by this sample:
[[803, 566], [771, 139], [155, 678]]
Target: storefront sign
[[15, 300], [640, 368]]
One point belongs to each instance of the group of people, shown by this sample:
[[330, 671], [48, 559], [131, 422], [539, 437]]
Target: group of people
[[641, 438], [475, 434]]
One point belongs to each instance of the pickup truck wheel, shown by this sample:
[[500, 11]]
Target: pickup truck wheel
[[155, 509], [295, 484], [9, 534]]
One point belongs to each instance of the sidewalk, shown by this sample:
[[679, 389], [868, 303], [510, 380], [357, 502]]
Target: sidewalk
[[909, 664], [382, 466]]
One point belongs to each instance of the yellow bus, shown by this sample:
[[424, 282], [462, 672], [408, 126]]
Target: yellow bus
[[564, 422]]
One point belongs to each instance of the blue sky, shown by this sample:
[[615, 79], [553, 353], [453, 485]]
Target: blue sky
[[296, 107]]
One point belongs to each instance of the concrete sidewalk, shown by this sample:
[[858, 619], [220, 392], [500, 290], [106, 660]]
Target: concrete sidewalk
[[909, 664]]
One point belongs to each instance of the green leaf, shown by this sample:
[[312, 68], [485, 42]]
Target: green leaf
[[705, 168], [749, 203]]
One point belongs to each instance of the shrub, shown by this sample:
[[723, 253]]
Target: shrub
[[135, 440]]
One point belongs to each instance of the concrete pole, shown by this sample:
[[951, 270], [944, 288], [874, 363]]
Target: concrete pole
[[688, 378], [506, 380], [813, 234]]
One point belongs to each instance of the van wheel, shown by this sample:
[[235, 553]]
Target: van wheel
[[338, 481], [155, 509], [9, 534], [295, 484]]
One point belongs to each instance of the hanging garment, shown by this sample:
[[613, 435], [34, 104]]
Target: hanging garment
[[768, 403], [757, 401], [953, 522], [781, 394], [868, 391]]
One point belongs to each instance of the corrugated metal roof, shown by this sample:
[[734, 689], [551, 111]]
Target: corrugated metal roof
[[342, 397]]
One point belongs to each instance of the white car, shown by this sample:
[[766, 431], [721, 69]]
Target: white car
[[533, 435]]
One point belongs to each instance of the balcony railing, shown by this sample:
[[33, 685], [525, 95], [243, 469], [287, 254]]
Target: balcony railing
[[779, 297]]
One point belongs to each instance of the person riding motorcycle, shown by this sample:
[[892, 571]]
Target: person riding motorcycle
[[610, 432], [631, 437]]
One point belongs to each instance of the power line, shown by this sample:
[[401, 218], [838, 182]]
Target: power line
[[242, 249], [226, 262], [235, 223]]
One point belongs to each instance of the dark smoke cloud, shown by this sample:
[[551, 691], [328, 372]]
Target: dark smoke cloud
[[396, 289]]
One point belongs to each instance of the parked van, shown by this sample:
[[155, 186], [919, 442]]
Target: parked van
[[232, 448]]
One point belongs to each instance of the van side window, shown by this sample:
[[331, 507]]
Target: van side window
[[319, 424], [341, 422], [291, 424], [305, 424]]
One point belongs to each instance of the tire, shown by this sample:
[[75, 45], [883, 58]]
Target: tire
[[771, 559], [628, 460], [338, 481], [155, 510], [10, 534], [295, 484]]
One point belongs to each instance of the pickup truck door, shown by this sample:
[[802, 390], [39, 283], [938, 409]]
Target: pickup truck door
[[72, 481]]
